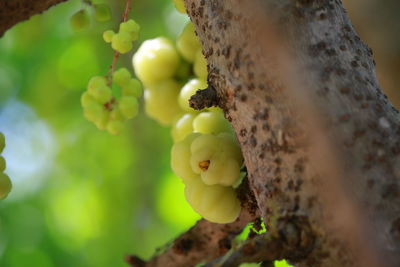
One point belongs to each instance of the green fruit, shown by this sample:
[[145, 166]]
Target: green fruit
[[102, 12], [122, 42], [231, 146], [2, 164], [202, 150], [86, 98], [2, 142], [93, 111], [161, 101], [108, 35], [133, 88], [188, 43], [95, 82], [211, 122], [182, 127], [121, 77], [216, 203], [180, 158], [5, 185], [200, 65], [155, 60], [130, 27], [102, 94], [102, 120], [180, 6], [115, 127], [80, 20], [116, 115], [129, 106], [216, 158], [188, 90]]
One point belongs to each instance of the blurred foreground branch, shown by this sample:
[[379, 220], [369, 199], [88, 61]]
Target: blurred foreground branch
[[14, 11]]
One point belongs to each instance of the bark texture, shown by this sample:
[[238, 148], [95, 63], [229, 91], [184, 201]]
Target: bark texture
[[320, 139], [14, 11]]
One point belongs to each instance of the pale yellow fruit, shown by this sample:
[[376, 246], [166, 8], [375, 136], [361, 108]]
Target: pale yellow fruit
[[216, 158], [200, 65], [180, 159], [188, 43], [155, 60], [215, 203], [161, 101], [211, 122], [182, 127]]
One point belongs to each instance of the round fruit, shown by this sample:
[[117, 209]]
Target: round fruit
[[215, 203], [80, 20], [5, 185], [161, 101], [155, 60]]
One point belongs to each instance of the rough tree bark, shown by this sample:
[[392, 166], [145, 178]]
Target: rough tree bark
[[284, 69], [319, 138]]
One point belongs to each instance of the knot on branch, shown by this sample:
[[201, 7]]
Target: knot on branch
[[204, 98]]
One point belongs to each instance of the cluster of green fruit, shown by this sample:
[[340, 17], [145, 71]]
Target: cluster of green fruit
[[170, 75], [109, 112], [5, 182], [81, 19], [209, 165], [206, 154], [122, 41]]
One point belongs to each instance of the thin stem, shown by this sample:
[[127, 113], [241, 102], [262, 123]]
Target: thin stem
[[127, 10], [128, 7]]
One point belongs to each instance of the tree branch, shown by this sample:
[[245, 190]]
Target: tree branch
[[261, 248], [14, 11], [348, 188], [291, 242], [205, 241]]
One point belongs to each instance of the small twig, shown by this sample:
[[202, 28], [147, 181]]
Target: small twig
[[112, 67], [125, 15], [204, 98], [128, 8]]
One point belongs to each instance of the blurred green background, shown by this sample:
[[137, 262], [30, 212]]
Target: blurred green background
[[81, 197]]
